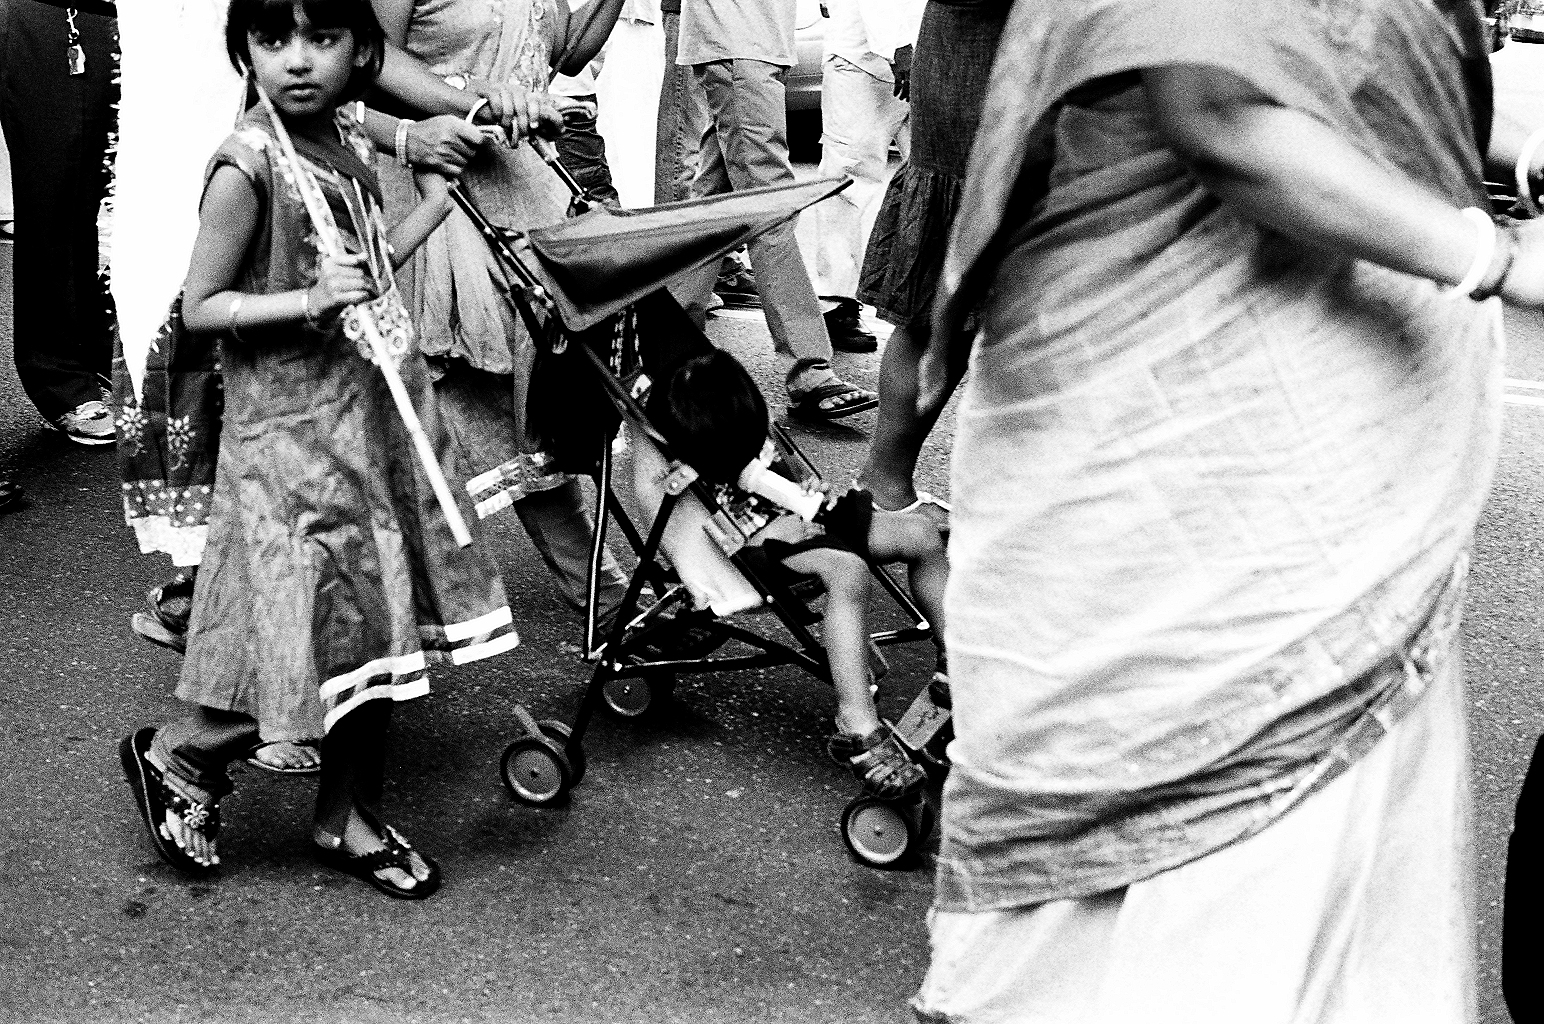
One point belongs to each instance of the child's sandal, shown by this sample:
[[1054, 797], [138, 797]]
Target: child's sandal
[[154, 797], [879, 762], [395, 853]]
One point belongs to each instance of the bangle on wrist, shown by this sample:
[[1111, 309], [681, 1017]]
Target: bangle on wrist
[[471, 115], [312, 320], [1485, 248], [402, 126], [230, 317], [1500, 264], [1523, 173]]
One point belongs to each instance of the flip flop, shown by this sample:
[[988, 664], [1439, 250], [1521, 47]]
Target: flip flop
[[257, 762], [151, 797], [393, 855], [806, 405]]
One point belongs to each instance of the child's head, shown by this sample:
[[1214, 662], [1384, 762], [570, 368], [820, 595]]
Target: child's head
[[343, 48], [713, 415]]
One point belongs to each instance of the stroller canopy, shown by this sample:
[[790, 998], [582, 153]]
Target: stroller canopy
[[602, 261]]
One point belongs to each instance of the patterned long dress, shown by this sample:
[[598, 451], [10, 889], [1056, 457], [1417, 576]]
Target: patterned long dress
[[330, 575]]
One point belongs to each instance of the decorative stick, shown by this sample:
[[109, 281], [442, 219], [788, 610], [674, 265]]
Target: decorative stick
[[310, 194]]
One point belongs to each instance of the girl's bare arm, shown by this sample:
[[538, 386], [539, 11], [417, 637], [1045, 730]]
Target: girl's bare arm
[[414, 229], [228, 220]]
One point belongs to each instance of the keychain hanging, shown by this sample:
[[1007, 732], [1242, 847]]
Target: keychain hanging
[[74, 53]]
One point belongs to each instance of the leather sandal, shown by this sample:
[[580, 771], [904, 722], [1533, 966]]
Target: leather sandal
[[154, 798]]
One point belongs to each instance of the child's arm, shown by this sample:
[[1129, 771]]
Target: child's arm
[[228, 220], [414, 229]]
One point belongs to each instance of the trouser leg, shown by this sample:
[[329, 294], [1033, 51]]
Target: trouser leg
[[750, 126], [682, 113], [197, 749], [860, 117], [560, 528], [56, 126], [584, 154]]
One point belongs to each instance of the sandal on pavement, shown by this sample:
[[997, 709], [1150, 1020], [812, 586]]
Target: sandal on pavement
[[879, 762], [154, 798], [168, 607], [255, 759], [831, 401], [393, 855]]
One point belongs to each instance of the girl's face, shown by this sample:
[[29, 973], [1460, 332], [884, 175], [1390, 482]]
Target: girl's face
[[305, 72]]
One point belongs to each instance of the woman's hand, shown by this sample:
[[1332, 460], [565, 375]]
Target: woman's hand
[[443, 144], [340, 282], [517, 110], [1524, 282]]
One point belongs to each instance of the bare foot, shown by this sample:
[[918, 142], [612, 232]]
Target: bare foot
[[189, 834], [284, 756]]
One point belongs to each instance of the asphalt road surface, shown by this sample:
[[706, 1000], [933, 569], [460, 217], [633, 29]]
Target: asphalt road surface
[[696, 875]]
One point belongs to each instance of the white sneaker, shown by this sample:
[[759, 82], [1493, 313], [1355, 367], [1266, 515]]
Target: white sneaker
[[87, 423]]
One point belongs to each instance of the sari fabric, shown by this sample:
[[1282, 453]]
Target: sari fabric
[[457, 289], [1213, 490]]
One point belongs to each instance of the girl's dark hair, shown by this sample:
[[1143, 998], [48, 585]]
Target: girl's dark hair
[[275, 19], [713, 415]]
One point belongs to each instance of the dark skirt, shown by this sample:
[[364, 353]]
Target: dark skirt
[[905, 253]]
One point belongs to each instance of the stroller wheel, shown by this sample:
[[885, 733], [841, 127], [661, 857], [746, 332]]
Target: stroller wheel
[[880, 833], [633, 696], [559, 732], [536, 771]]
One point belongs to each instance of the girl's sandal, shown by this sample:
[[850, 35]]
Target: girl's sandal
[[879, 762], [154, 798], [395, 854]]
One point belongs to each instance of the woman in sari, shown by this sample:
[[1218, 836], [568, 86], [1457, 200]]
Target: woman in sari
[[493, 60], [1230, 418]]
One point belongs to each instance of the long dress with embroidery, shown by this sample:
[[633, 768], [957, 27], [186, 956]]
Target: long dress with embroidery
[[329, 569], [455, 287]]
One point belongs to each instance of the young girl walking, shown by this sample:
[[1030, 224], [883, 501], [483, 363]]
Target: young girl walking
[[330, 571]]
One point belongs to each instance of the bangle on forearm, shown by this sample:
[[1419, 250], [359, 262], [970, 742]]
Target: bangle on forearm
[[1485, 248], [402, 126], [230, 316], [1500, 265], [311, 319], [1523, 173], [471, 115]]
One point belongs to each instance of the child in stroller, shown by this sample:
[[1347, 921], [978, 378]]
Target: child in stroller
[[715, 419]]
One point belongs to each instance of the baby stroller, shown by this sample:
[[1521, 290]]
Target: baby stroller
[[591, 290]]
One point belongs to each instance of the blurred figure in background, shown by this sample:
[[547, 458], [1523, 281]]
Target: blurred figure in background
[[740, 52], [955, 47], [865, 84], [57, 67]]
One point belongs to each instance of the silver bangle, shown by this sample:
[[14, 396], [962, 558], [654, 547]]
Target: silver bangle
[[1521, 173], [471, 115], [305, 309], [230, 317], [1484, 250], [402, 126]]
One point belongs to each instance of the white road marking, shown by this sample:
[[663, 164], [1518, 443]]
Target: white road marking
[[1523, 399], [1529, 385]]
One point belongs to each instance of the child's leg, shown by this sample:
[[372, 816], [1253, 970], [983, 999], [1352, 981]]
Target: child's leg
[[353, 766], [914, 539], [846, 632], [192, 754]]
